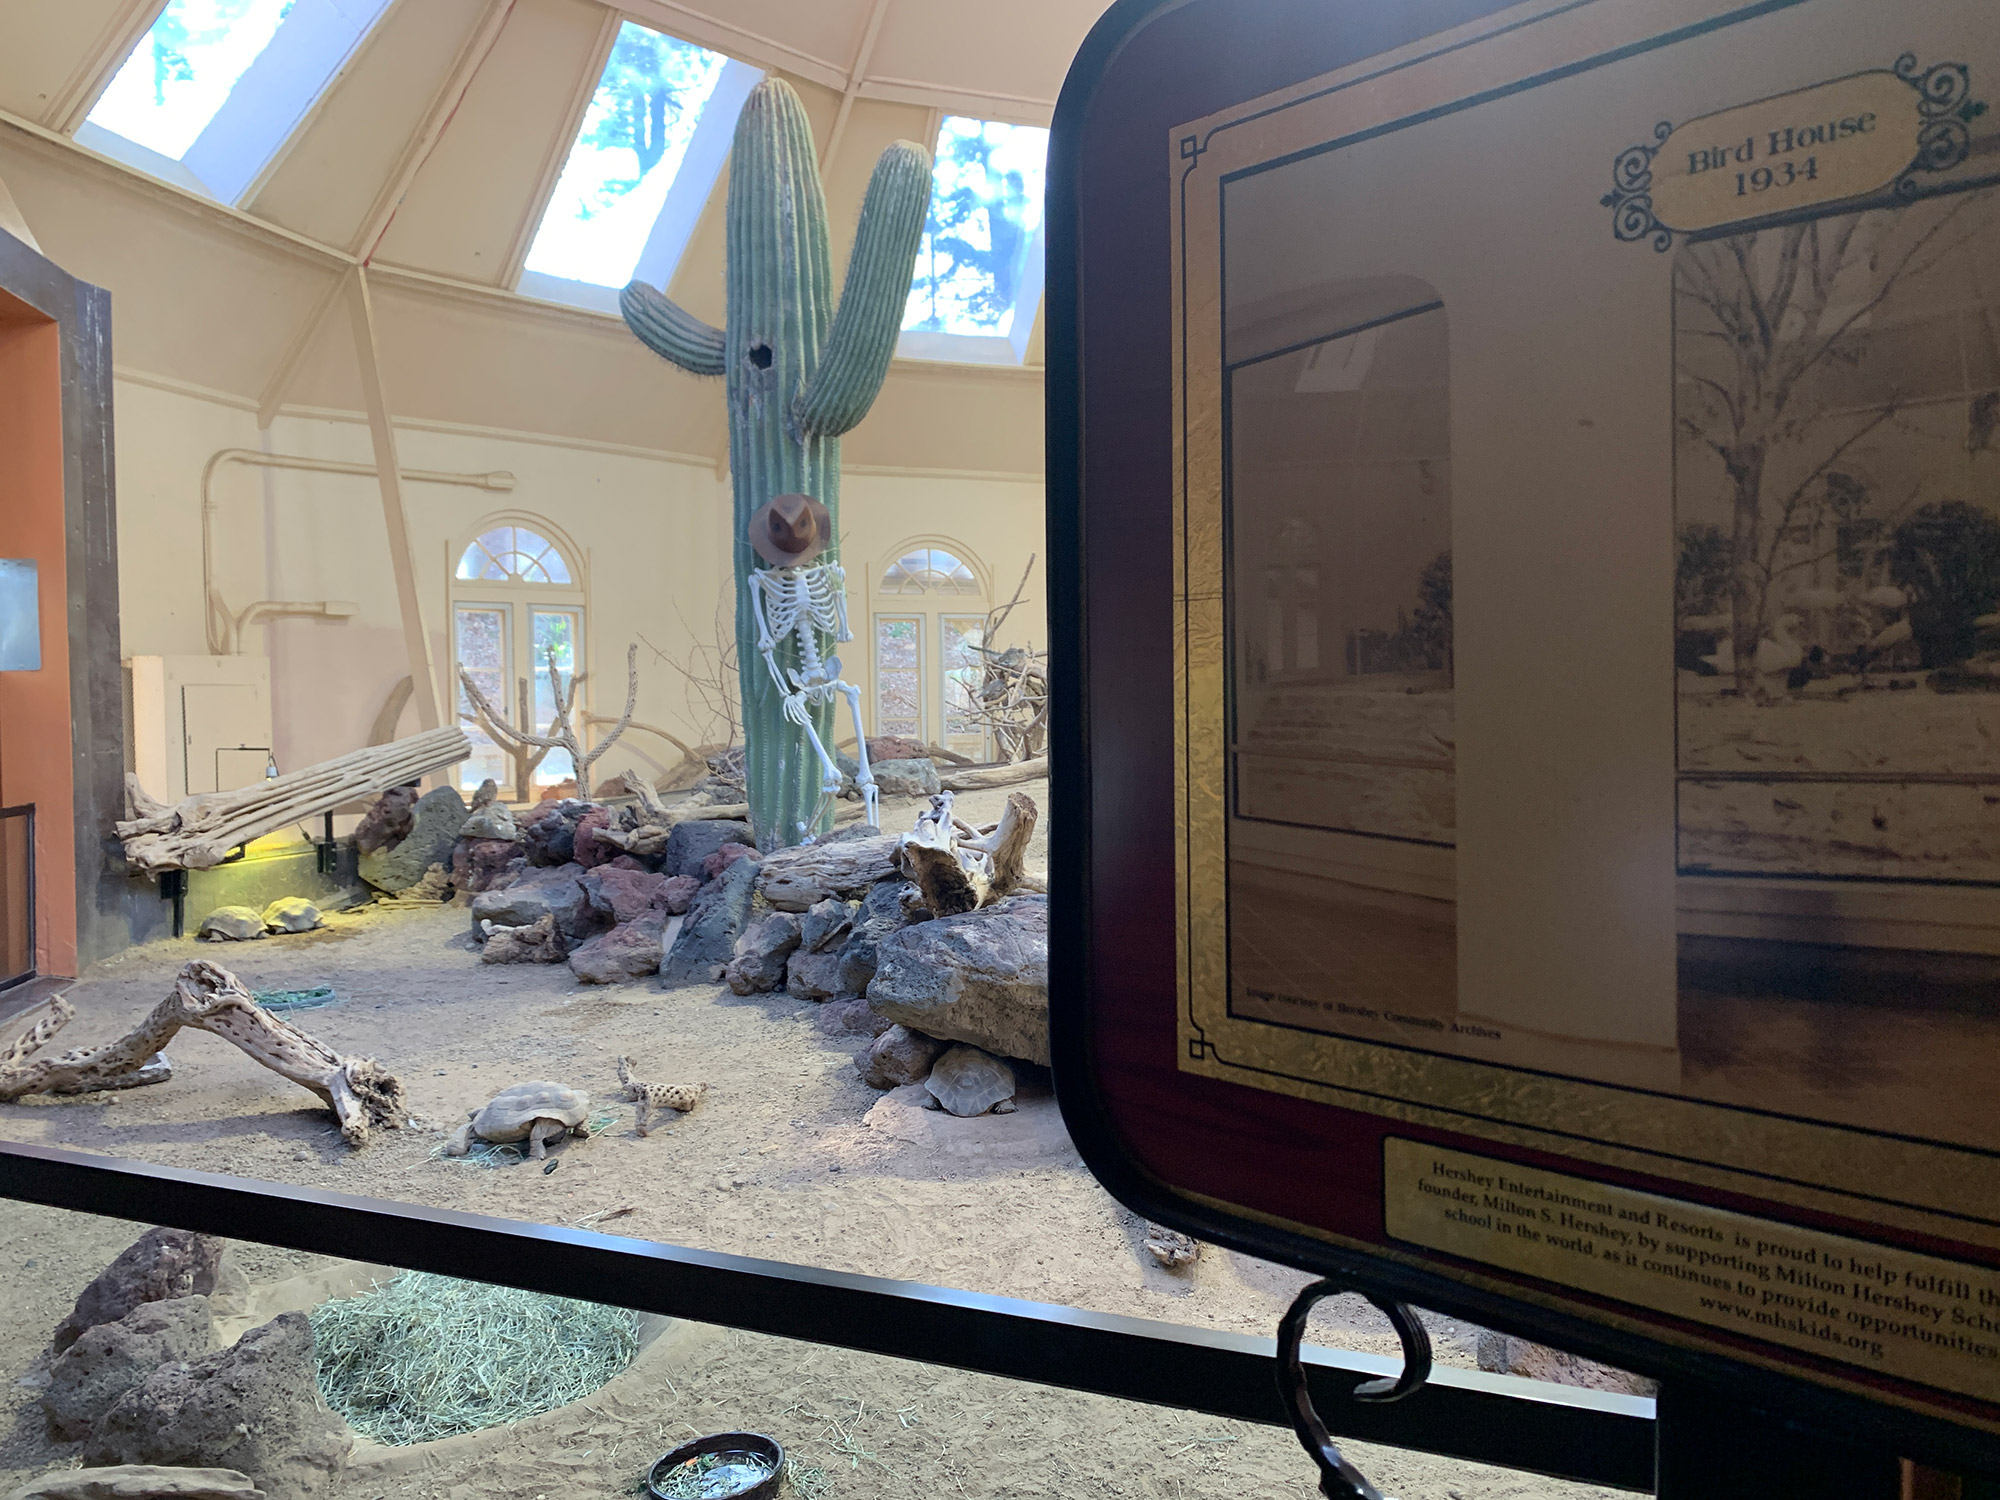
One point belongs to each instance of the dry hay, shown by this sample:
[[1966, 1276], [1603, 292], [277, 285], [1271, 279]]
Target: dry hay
[[423, 1357]]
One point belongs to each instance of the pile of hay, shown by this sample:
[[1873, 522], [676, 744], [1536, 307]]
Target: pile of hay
[[424, 1357]]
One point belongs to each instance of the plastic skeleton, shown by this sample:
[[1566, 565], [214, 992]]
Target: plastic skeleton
[[800, 602]]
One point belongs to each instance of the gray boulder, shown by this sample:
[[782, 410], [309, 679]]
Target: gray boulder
[[493, 820], [231, 924], [826, 924], [758, 962], [556, 891], [982, 978], [896, 1057], [691, 843], [548, 830], [813, 976], [889, 906], [255, 1405], [850, 1017], [139, 1482], [709, 931], [434, 825], [88, 1378], [627, 951], [292, 914], [161, 1264], [907, 778]]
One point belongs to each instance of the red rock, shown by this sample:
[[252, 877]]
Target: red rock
[[895, 747], [724, 857], [592, 851], [483, 864], [627, 951], [622, 895], [678, 892], [627, 862]]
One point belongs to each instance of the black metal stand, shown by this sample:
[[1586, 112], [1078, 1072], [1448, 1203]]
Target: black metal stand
[[174, 888], [325, 856], [1339, 1479], [1713, 1447]]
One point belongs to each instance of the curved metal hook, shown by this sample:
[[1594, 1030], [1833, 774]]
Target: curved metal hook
[[1339, 1479]]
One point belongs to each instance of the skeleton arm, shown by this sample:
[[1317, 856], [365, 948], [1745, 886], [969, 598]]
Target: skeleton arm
[[761, 590]]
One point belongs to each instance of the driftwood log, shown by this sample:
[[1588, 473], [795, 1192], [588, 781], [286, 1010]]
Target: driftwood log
[[793, 879], [960, 868], [649, 839], [361, 1093], [198, 834], [988, 778]]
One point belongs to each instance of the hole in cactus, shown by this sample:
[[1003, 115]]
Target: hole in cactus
[[760, 356]]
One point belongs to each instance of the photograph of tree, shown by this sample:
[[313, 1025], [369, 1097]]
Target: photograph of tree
[[1837, 593]]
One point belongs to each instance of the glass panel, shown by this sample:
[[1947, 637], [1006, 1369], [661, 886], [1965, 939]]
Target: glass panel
[[474, 1390], [929, 570], [986, 205], [964, 669], [562, 630], [513, 554], [480, 645], [634, 135], [184, 68], [899, 676]]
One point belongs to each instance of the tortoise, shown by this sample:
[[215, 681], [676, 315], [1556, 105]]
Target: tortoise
[[967, 1081], [533, 1112]]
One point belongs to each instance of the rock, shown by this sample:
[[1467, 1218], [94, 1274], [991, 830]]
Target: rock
[[715, 919], [678, 892], [485, 864], [907, 778], [291, 914], [812, 976], [536, 893], [434, 826], [758, 962], [1170, 1247], [1503, 1354], [851, 1017], [592, 851], [889, 906], [539, 942], [139, 1482], [387, 823], [826, 924], [620, 895], [563, 791], [88, 1378], [724, 857], [982, 978], [887, 747], [896, 1057], [691, 843], [628, 862], [234, 924], [627, 951], [231, 1296], [549, 832], [160, 1265], [434, 886], [490, 820], [257, 1404]]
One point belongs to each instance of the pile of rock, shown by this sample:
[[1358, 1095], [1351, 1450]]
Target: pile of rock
[[135, 1376], [840, 923]]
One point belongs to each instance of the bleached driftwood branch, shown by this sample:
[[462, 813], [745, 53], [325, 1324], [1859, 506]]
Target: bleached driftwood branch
[[960, 868], [361, 1093], [988, 778], [564, 733], [198, 834]]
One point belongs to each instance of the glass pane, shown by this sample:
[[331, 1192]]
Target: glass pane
[[184, 68], [480, 645], [986, 204], [964, 668], [514, 554], [899, 677], [562, 631], [634, 134]]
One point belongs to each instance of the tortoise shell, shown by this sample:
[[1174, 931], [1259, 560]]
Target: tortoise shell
[[514, 1110], [967, 1081]]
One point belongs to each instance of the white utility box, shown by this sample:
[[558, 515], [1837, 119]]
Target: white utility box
[[199, 723]]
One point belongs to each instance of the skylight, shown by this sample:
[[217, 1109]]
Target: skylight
[[644, 162], [215, 87], [979, 267]]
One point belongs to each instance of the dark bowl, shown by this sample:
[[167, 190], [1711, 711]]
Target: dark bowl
[[752, 1444]]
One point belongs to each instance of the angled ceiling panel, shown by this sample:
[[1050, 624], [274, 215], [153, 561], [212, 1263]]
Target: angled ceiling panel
[[815, 39], [353, 141], [971, 48], [50, 55], [468, 203]]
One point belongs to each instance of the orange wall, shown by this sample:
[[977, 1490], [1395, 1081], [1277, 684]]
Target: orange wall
[[35, 751]]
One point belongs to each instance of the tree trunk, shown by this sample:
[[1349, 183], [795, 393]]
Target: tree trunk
[[1746, 598]]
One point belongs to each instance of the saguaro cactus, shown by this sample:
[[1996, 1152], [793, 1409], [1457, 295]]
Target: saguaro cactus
[[800, 373]]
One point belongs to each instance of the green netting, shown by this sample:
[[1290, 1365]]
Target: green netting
[[423, 1357], [283, 1001]]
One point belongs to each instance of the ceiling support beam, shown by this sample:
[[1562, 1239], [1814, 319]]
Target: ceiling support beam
[[295, 352], [389, 475], [856, 77]]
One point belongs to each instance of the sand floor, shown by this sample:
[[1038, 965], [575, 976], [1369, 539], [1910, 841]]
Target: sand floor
[[790, 1157]]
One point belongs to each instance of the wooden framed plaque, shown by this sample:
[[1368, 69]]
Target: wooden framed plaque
[[1527, 486]]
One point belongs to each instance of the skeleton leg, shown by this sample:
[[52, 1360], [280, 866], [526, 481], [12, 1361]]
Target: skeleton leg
[[863, 778], [829, 786]]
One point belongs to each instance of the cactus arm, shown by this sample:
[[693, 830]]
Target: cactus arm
[[670, 332], [863, 336]]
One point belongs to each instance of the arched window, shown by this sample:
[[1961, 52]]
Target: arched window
[[517, 599], [929, 626]]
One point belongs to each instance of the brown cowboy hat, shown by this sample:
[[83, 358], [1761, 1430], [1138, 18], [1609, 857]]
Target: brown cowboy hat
[[790, 529]]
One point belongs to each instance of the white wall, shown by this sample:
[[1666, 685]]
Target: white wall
[[652, 530]]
